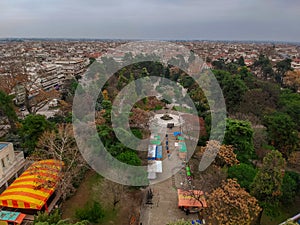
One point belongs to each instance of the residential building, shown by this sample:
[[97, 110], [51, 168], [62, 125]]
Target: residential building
[[12, 164]]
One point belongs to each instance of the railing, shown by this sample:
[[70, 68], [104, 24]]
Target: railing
[[295, 218]]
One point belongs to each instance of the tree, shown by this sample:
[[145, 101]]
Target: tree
[[265, 66], [233, 88], [292, 80], [92, 212], [7, 108], [282, 132], [241, 61], [225, 153], [281, 68], [113, 192], [289, 103], [240, 134], [61, 145], [290, 187], [244, 173], [266, 186], [230, 204], [32, 128], [54, 218], [129, 157]]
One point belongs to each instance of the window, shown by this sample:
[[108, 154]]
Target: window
[[2, 162], [7, 159]]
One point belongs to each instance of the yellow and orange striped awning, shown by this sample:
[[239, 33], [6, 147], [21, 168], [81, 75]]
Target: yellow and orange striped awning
[[34, 187]]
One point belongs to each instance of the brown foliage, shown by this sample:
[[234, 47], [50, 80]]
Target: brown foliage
[[225, 153], [139, 118], [292, 79], [230, 205]]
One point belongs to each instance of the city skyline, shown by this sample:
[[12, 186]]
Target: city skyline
[[139, 19]]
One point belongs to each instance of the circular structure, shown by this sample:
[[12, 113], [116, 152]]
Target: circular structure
[[157, 119], [100, 72], [166, 117]]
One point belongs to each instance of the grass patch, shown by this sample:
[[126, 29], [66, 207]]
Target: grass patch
[[87, 196]]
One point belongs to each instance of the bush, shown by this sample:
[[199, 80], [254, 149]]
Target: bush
[[92, 212], [289, 188], [244, 173]]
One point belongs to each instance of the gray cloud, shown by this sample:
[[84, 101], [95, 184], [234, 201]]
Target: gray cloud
[[153, 19]]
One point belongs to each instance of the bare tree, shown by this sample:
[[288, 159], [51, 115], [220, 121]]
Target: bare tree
[[61, 145]]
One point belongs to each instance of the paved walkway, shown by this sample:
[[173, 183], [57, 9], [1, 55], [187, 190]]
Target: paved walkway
[[164, 208]]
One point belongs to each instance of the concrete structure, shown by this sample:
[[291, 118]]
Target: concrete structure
[[296, 64], [12, 164]]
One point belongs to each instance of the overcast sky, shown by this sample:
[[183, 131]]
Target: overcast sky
[[152, 19]]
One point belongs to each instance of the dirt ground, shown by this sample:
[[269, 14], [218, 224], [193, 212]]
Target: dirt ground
[[127, 211]]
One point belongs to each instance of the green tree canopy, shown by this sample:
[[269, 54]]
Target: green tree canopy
[[267, 183], [239, 133], [129, 157], [7, 108], [290, 187], [289, 103], [32, 128], [244, 173], [282, 132]]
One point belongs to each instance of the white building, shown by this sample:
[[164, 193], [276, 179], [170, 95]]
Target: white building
[[12, 164]]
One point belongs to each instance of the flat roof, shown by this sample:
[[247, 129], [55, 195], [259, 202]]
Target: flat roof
[[3, 145], [16, 217], [10, 216], [191, 198]]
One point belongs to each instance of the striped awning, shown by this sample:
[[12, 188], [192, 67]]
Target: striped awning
[[34, 187]]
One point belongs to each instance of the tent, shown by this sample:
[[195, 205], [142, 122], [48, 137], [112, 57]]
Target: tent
[[182, 147], [151, 152], [190, 198], [11, 217], [155, 142], [177, 133], [34, 187], [154, 167], [159, 152]]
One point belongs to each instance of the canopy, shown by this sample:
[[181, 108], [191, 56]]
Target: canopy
[[177, 133], [182, 147], [151, 152], [180, 138], [34, 187], [155, 142], [155, 167], [15, 217], [191, 198], [159, 152]]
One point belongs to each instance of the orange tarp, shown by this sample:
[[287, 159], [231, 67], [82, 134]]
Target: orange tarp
[[190, 198], [34, 187]]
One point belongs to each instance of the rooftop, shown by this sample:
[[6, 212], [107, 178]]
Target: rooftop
[[2, 146]]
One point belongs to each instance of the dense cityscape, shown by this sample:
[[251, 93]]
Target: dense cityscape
[[38, 82], [149, 112]]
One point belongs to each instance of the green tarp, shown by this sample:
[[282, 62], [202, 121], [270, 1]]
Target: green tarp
[[182, 147]]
